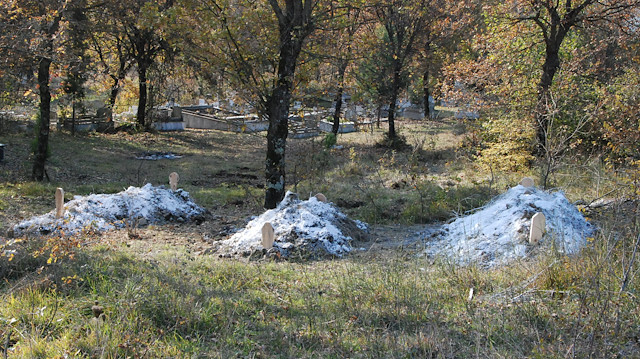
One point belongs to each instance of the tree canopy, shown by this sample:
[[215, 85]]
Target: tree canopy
[[544, 76]]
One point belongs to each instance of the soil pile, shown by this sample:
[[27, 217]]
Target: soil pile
[[308, 229], [137, 206], [499, 232]]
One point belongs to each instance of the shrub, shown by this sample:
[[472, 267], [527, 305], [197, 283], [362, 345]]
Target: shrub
[[329, 140]]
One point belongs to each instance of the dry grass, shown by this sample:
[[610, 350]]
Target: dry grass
[[165, 295]]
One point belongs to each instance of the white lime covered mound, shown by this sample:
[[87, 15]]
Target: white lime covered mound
[[102, 212], [307, 228], [499, 232]]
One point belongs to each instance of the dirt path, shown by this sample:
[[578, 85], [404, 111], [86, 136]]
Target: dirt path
[[199, 240]]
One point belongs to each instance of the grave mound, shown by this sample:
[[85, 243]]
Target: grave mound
[[101, 212], [302, 229], [499, 232]]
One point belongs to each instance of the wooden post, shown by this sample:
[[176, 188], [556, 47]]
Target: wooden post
[[173, 181], [527, 182], [538, 225], [268, 235], [59, 203]]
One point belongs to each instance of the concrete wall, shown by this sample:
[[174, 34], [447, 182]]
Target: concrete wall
[[345, 127], [170, 126], [412, 113], [232, 124]]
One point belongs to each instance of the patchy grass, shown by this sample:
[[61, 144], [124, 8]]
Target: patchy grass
[[165, 295], [421, 184], [229, 194], [175, 304]]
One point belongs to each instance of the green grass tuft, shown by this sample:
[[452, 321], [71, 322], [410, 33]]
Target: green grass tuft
[[164, 298]]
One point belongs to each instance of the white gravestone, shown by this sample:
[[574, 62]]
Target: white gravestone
[[538, 224], [59, 203], [322, 198], [527, 182], [268, 235], [173, 181]]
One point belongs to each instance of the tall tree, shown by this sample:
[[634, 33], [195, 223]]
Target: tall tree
[[108, 44], [348, 21], [256, 46], [448, 25], [404, 24], [132, 35], [295, 23], [554, 21], [75, 70], [31, 31], [373, 81]]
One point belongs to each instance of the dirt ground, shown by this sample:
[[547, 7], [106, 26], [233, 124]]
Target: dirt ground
[[111, 159], [210, 159], [198, 240]]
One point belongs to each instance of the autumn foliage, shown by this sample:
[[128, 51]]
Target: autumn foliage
[[544, 80]]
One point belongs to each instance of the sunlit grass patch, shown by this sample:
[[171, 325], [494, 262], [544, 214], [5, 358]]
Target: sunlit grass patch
[[162, 299], [171, 302], [226, 194]]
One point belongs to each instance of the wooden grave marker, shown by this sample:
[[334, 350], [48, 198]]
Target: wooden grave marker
[[538, 224], [173, 180], [59, 203], [268, 235]]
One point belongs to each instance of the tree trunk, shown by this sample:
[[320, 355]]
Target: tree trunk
[[115, 89], [336, 115], [278, 114], [277, 108], [142, 99], [294, 25], [40, 154], [124, 65], [425, 88], [425, 81], [73, 117], [549, 69], [392, 104]]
